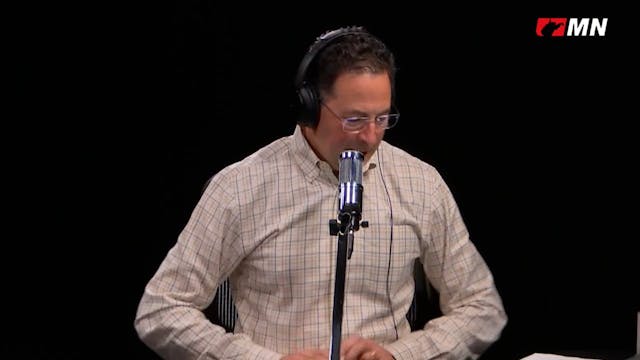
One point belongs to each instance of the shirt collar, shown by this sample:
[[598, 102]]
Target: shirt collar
[[311, 166]]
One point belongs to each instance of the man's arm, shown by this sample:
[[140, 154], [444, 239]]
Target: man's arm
[[473, 313]]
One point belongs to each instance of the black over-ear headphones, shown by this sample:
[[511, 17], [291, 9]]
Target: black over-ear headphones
[[308, 98]]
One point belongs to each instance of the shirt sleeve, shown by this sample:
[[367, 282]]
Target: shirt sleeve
[[169, 318], [473, 313]]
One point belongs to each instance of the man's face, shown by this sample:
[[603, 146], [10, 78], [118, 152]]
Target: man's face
[[354, 94]]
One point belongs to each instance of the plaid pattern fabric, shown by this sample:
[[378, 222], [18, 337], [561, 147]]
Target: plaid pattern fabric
[[264, 223]]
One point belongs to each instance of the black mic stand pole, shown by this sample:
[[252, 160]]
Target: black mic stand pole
[[349, 223]]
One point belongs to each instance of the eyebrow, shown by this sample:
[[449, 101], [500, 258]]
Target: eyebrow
[[362, 113]]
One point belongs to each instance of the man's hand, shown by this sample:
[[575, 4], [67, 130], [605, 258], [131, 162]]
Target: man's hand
[[353, 348], [357, 348]]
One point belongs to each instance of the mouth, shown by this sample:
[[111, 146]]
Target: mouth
[[356, 149], [364, 153]]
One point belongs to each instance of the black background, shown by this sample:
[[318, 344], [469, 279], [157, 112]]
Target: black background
[[123, 111]]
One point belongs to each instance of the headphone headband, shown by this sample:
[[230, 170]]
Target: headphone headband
[[307, 92], [322, 42]]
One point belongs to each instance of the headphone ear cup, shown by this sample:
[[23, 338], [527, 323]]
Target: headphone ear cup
[[309, 107], [308, 97]]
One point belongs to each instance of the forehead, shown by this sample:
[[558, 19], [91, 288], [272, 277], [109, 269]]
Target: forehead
[[369, 87], [361, 84]]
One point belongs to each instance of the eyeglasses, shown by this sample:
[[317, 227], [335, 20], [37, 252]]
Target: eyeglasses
[[357, 123]]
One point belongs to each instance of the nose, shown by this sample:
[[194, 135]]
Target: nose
[[370, 133]]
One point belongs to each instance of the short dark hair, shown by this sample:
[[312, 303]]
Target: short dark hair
[[354, 52]]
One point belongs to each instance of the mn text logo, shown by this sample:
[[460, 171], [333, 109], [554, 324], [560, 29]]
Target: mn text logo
[[548, 27]]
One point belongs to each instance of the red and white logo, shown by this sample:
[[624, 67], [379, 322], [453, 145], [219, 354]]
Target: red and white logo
[[550, 27]]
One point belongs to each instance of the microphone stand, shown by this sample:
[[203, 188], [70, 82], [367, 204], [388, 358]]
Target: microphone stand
[[348, 223]]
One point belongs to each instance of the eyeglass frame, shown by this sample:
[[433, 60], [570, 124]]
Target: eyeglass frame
[[345, 120]]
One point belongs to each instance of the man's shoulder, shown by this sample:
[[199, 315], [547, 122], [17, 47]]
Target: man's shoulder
[[401, 157], [274, 152]]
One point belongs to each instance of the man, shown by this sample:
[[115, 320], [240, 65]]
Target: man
[[263, 223]]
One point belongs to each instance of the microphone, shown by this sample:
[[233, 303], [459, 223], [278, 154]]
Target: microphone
[[349, 214], [350, 179]]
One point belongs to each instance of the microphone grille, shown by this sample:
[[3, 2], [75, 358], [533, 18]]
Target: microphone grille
[[351, 166]]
